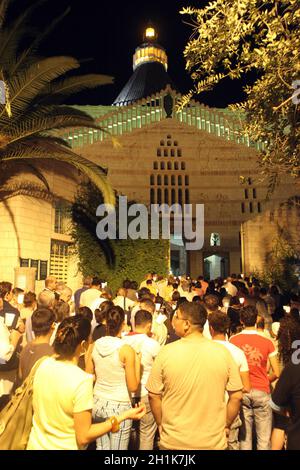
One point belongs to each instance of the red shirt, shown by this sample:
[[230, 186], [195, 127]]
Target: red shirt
[[257, 350]]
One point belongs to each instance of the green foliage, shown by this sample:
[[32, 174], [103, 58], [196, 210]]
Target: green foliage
[[279, 267], [31, 116], [232, 38], [115, 260]]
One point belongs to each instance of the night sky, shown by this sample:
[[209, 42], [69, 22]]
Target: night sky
[[104, 35]]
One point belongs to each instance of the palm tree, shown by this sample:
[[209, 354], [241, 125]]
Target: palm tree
[[31, 118]]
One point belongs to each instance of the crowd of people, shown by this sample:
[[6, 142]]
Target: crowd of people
[[173, 363]]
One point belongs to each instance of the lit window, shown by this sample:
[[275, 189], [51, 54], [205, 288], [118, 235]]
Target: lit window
[[215, 239]]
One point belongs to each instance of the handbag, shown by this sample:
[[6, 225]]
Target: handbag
[[16, 417]]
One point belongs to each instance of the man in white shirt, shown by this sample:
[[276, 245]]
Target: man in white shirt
[[89, 296], [141, 342], [123, 301], [218, 325]]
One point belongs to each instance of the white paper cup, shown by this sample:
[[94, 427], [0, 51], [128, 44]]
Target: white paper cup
[[9, 319]]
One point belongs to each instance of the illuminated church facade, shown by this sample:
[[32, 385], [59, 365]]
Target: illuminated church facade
[[194, 156]]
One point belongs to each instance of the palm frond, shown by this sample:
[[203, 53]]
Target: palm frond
[[4, 4], [25, 188], [46, 119], [29, 83], [37, 172], [72, 85], [43, 150], [27, 55], [13, 32]]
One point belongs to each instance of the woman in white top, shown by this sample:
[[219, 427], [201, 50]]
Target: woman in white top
[[117, 370], [63, 395]]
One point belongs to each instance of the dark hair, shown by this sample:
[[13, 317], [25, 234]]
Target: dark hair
[[61, 310], [70, 333], [5, 288], [142, 317], [211, 302], [96, 281], [234, 301], [175, 296], [86, 312], [219, 321], [29, 299], [194, 312], [263, 291], [41, 321], [17, 291], [274, 290], [142, 292], [248, 315], [115, 317], [149, 282], [100, 313], [260, 323], [149, 303], [175, 285], [133, 285], [126, 284], [197, 298]]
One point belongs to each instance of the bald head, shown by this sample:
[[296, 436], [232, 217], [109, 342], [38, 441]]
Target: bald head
[[66, 294], [46, 299]]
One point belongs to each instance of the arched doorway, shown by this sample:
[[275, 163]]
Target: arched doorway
[[215, 265]]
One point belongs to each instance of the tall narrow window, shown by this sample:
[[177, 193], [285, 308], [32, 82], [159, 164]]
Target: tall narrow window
[[159, 180], [183, 166], [169, 143], [179, 153], [155, 166], [180, 196], [152, 180], [246, 194], [251, 207], [169, 166], [187, 181], [166, 196], [173, 196], [172, 153], [254, 194], [243, 208], [159, 196], [158, 152], [162, 165], [152, 196], [162, 143], [166, 153], [176, 166], [173, 181], [180, 180], [166, 180], [187, 196], [259, 207]]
